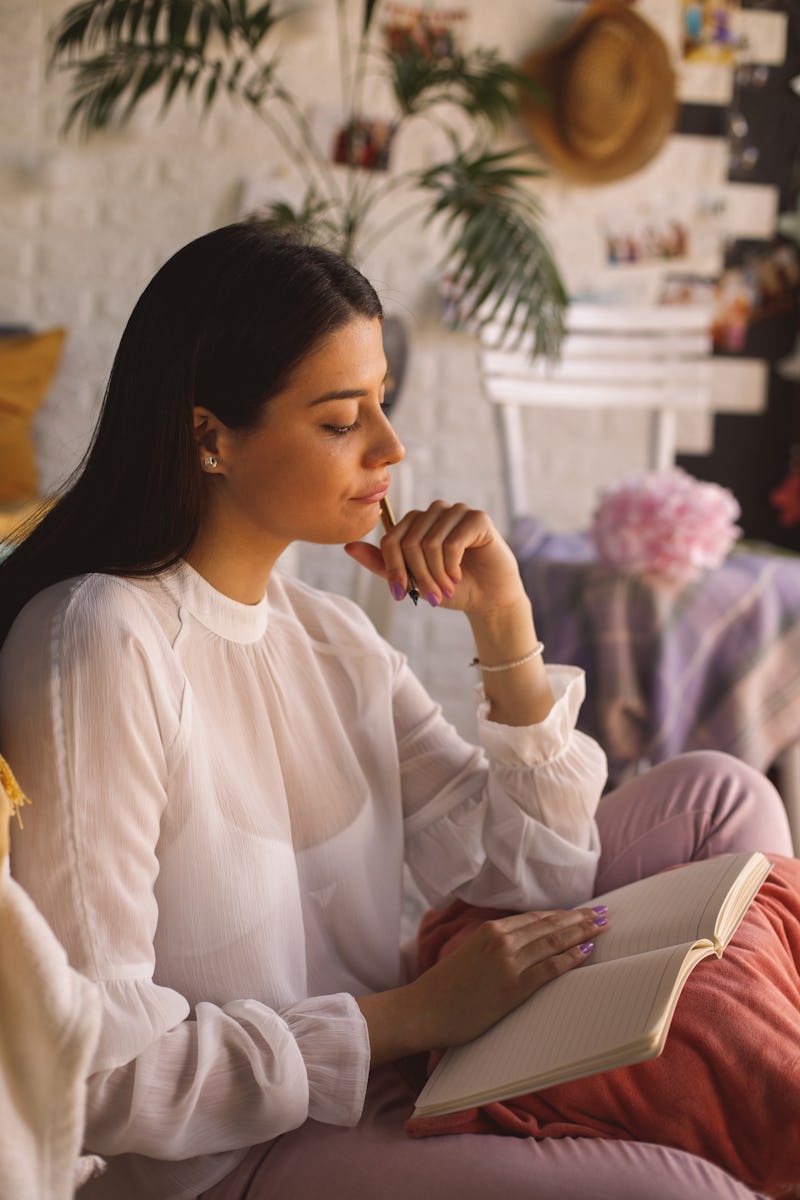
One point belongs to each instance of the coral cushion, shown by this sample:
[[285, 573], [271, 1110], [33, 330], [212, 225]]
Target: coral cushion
[[727, 1084]]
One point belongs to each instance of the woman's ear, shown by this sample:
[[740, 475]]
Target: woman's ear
[[207, 431]]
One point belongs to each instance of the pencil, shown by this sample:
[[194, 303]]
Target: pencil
[[387, 516]]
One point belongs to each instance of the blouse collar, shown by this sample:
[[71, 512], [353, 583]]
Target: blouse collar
[[227, 618]]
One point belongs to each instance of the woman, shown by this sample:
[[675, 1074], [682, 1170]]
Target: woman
[[230, 768]]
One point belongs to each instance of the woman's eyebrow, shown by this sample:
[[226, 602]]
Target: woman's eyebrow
[[343, 394]]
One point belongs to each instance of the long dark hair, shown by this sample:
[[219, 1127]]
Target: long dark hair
[[222, 324]]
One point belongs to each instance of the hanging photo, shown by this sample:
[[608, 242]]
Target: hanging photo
[[709, 30], [675, 228], [643, 239], [433, 33], [363, 143], [757, 283]]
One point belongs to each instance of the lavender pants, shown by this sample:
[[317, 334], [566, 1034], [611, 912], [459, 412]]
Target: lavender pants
[[691, 807]]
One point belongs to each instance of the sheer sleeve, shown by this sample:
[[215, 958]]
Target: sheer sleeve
[[95, 736], [509, 824], [231, 1077]]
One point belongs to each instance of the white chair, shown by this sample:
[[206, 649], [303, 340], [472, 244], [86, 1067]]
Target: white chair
[[655, 360]]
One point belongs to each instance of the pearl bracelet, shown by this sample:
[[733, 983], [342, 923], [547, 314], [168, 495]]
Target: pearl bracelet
[[535, 652]]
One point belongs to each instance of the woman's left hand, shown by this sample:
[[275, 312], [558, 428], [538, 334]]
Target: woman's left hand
[[456, 555]]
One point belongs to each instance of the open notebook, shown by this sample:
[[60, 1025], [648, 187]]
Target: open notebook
[[616, 1008]]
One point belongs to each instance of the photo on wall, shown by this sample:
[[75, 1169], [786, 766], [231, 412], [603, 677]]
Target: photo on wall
[[709, 31], [363, 142], [685, 228], [717, 37], [428, 33], [760, 282]]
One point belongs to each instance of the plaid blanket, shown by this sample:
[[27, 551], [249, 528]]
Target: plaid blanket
[[711, 665]]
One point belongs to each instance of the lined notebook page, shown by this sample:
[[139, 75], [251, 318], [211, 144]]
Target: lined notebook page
[[668, 909], [612, 1010], [563, 1032]]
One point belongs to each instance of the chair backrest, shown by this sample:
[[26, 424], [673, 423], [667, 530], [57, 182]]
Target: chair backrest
[[655, 359]]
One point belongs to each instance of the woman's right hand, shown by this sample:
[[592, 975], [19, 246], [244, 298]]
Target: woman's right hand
[[497, 967]]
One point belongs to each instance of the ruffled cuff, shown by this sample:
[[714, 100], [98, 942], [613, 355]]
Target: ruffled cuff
[[509, 859], [136, 1012], [333, 1039], [532, 745]]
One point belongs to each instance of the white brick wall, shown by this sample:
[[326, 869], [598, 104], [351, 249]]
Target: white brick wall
[[83, 225]]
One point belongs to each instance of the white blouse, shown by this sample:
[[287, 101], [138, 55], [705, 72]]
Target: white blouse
[[224, 796]]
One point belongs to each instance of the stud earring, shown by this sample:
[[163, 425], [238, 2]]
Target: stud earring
[[210, 461]]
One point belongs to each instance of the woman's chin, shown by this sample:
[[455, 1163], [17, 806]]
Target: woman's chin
[[352, 527], [359, 529]]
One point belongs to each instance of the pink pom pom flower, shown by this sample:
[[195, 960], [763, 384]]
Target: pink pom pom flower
[[665, 523]]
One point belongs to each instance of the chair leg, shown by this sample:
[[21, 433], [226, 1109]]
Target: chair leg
[[788, 767]]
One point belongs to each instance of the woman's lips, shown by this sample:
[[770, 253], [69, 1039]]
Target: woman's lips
[[373, 497]]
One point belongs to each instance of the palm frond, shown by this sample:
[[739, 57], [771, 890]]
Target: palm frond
[[179, 20], [119, 51], [369, 10], [177, 23], [314, 220], [106, 87], [480, 83], [499, 261]]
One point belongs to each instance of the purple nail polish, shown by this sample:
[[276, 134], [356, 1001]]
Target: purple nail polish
[[448, 595], [397, 590], [434, 601], [601, 908], [599, 922], [586, 947]]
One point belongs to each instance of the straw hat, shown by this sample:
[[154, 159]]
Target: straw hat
[[613, 95]]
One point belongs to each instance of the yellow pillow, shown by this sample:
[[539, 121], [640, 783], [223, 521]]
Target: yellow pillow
[[15, 519], [27, 365]]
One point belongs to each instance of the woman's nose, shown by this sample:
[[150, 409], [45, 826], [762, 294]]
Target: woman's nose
[[387, 447]]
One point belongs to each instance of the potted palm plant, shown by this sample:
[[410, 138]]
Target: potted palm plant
[[117, 52]]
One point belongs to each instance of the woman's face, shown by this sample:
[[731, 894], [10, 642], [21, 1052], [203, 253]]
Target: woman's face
[[316, 467]]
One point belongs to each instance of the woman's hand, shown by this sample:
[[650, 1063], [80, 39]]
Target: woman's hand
[[497, 967], [456, 555], [459, 560]]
